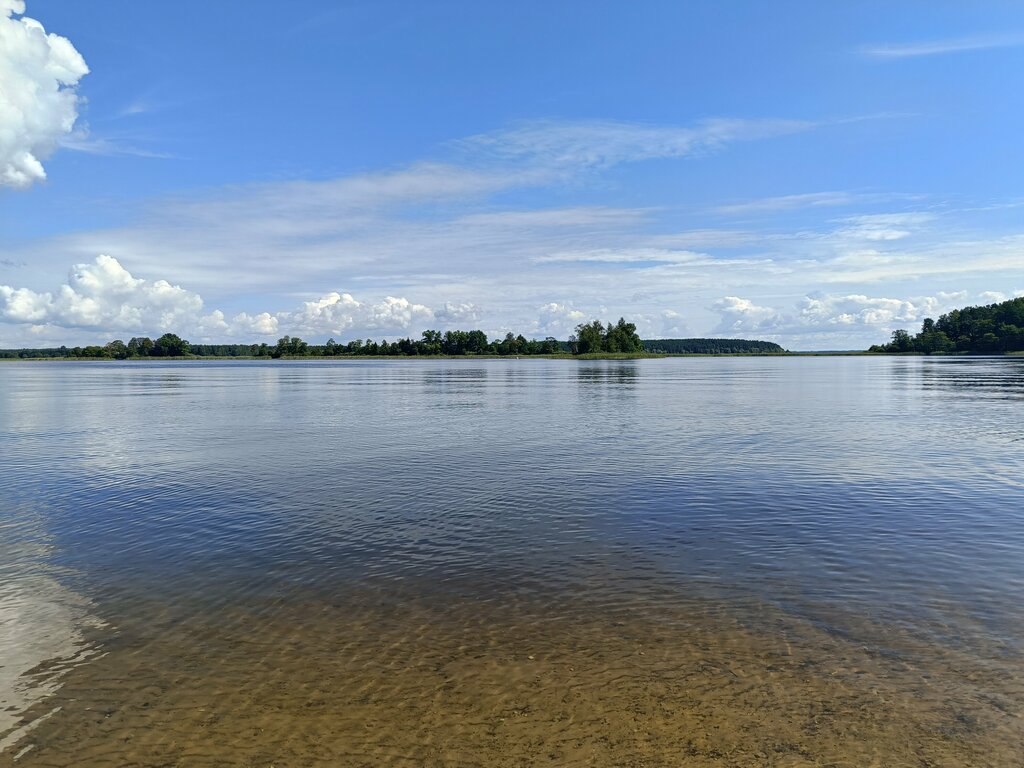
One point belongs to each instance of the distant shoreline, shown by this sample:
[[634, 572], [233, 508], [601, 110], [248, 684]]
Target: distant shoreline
[[567, 356]]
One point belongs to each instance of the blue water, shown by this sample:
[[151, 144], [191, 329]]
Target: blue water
[[846, 492]]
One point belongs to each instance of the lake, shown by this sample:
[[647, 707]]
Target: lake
[[699, 561]]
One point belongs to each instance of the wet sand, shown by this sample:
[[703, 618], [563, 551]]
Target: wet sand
[[412, 680]]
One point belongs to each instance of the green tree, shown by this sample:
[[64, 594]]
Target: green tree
[[901, 341], [116, 349], [476, 343], [140, 346], [933, 342], [282, 347], [170, 345], [589, 337], [431, 343], [289, 345], [622, 337]]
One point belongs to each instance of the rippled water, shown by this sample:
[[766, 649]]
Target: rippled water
[[740, 561]]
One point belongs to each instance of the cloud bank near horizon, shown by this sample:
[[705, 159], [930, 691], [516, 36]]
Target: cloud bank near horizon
[[103, 296]]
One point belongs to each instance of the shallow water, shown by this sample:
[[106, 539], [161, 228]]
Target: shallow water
[[739, 561]]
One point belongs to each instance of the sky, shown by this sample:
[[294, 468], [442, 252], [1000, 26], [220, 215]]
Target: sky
[[816, 174]]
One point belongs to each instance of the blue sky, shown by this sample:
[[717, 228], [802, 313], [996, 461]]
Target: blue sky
[[812, 173]]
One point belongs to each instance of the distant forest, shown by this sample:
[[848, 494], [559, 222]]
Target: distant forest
[[991, 329], [590, 338], [712, 347]]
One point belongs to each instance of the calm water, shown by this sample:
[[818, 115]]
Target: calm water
[[806, 561]]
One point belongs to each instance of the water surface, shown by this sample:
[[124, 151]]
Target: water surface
[[738, 561]]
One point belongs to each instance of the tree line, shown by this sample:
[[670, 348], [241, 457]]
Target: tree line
[[168, 345], [991, 329], [713, 347], [593, 337], [431, 342]]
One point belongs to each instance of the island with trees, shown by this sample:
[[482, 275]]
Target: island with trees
[[712, 347], [590, 340], [994, 329]]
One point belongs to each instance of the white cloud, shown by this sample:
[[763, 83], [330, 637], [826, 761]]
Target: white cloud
[[103, 295], [453, 313], [338, 313], [882, 226], [855, 309], [361, 221], [993, 297], [103, 300], [389, 229], [739, 315], [792, 202], [215, 326], [106, 298], [624, 256], [603, 143], [938, 47], [835, 315], [38, 102], [261, 324], [81, 140], [559, 320], [948, 258], [996, 297], [672, 325], [708, 238]]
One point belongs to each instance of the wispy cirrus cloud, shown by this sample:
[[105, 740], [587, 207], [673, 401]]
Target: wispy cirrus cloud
[[832, 199], [392, 222], [883, 226], [81, 140], [940, 47], [624, 256], [787, 202], [605, 143]]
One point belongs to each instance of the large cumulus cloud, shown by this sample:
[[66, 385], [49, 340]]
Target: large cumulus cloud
[[337, 313], [104, 297], [38, 102]]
